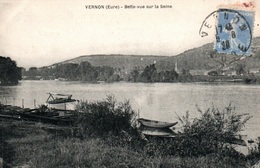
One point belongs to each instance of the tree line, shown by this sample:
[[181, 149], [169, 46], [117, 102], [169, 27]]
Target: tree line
[[10, 74], [150, 74], [86, 72], [71, 71]]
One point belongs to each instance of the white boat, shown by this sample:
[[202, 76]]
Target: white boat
[[155, 124], [157, 132], [61, 101]]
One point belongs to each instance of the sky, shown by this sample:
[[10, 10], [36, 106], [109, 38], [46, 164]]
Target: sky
[[43, 32]]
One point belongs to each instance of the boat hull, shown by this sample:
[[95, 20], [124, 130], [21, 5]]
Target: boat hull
[[63, 106], [53, 119], [155, 124], [157, 132], [61, 101]]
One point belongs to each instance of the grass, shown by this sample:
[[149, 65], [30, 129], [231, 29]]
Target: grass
[[105, 135], [32, 144]]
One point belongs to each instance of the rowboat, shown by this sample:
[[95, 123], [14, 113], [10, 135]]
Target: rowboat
[[237, 140], [61, 101], [157, 132], [55, 98], [155, 124]]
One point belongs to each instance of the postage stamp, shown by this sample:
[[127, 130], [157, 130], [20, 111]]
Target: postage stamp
[[233, 29]]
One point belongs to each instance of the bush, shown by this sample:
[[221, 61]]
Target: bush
[[212, 132], [254, 153], [105, 117], [209, 134]]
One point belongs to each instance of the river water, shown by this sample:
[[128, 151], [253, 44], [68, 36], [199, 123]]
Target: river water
[[160, 101]]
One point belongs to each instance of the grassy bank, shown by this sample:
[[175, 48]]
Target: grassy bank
[[42, 145], [105, 135]]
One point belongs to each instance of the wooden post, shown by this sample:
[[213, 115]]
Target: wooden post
[[22, 103], [34, 102]]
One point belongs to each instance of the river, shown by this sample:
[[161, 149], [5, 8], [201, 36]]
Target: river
[[160, 101]]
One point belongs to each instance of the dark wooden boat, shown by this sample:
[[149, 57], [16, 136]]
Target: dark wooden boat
[[155, 124], [236, 141], [47, 117]]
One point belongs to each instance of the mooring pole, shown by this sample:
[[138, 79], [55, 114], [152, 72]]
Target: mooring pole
[[22, 103], [34, 102]]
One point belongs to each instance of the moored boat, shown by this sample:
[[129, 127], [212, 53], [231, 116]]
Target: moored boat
[[155, 124], [61, 101], [46, 117], [157, 132]]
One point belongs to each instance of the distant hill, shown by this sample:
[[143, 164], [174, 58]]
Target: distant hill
[[117, 61], [193, 59], [199, 58], [196, 58]]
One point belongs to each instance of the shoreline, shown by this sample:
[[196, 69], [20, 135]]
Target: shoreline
[[51, 147]]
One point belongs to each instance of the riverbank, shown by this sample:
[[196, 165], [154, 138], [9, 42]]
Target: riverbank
[[42, 145], [169, 152], [246, 79], [106, 134]]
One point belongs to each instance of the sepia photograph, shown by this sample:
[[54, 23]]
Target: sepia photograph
[[129, 84]]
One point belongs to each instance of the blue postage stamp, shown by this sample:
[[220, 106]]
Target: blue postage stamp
[[234, 32]]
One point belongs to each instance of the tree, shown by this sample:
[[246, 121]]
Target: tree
[[171, 76], [114, 78], [87, 71], [32, 72], [149, 74], [9, 72], [134, 75], [185, 75], [167, 76], [105, 72]]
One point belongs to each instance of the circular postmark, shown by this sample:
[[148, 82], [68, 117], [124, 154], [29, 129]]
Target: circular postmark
[[233, 33]]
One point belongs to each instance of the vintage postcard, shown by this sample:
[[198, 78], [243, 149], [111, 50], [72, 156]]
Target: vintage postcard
[[151, 83]]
